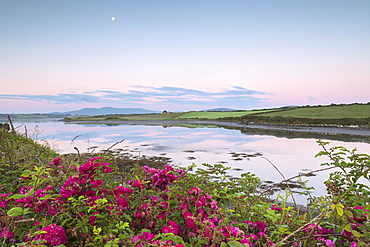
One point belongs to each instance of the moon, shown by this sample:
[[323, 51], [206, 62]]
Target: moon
[[113, 18]]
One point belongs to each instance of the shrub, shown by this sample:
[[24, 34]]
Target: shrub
[[65, 203]]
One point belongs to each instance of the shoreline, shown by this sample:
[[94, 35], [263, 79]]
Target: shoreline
[[304, 128]]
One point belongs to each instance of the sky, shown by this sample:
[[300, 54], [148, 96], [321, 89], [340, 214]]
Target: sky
[[182, 55]]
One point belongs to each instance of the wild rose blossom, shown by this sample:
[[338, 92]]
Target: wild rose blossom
[[172, 227], [276, 207], [137, 183], [160, 179], [4, 200], [56, 161], [55, 235], [261, 226], [121, 190], [328, 242], [5, 233]]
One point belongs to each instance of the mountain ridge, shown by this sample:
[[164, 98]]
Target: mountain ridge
[[106, 111]]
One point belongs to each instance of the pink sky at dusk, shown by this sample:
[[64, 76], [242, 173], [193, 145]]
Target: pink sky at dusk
[[188, 55]]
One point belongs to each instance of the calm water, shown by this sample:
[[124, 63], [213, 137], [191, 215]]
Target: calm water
[[199, 145]]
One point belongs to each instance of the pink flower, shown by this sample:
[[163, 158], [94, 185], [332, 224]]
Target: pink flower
[[198, 204], [56, 162], [147, 236], [25, 190], [96, 183], [120, 190], [161, 217], [261, 226], [5, 233], [122, 202], [276, 207], [172, 227], [55, 235], [137, 183], [185, 207], [189, 219], [92, 220], [106, 168], [3, 201], [328, 242], [194, 191], [136, 238], [164, 205]]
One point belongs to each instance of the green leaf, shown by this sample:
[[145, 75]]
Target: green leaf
[[16, 211], [348, 213], [271, 212], [338, 207], [356, 233], [234, 243], [340, 211], [17, 196], [223, 244], [282, 229]]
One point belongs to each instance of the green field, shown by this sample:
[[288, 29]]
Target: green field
[[216, 115], [325, 112]]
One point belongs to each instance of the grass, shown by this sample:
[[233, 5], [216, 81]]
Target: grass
[[325, 112], [216, 115], [351, 114]]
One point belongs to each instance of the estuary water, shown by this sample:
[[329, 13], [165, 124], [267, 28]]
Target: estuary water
[[243, 149]]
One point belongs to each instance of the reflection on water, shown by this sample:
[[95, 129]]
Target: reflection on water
[[292, 153]]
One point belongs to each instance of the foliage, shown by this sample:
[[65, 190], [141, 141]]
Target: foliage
[[72, 203], [261, 119], [324, 112], [352, 114], [19, 153]]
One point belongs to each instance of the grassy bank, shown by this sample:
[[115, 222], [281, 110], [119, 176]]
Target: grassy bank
[[84, 200], [336, 115], [323, 112]]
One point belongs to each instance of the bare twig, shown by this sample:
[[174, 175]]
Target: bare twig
[[106, 150], [282, 175], [26, 220]]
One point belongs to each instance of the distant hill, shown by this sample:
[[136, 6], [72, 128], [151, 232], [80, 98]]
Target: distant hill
[[221, 109], [106, 111]]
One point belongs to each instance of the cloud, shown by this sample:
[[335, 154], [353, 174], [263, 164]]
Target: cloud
[[310, 98], [138, 96], [59, 98]]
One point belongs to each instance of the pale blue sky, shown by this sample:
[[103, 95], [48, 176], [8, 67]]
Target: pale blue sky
[[182, 55]]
